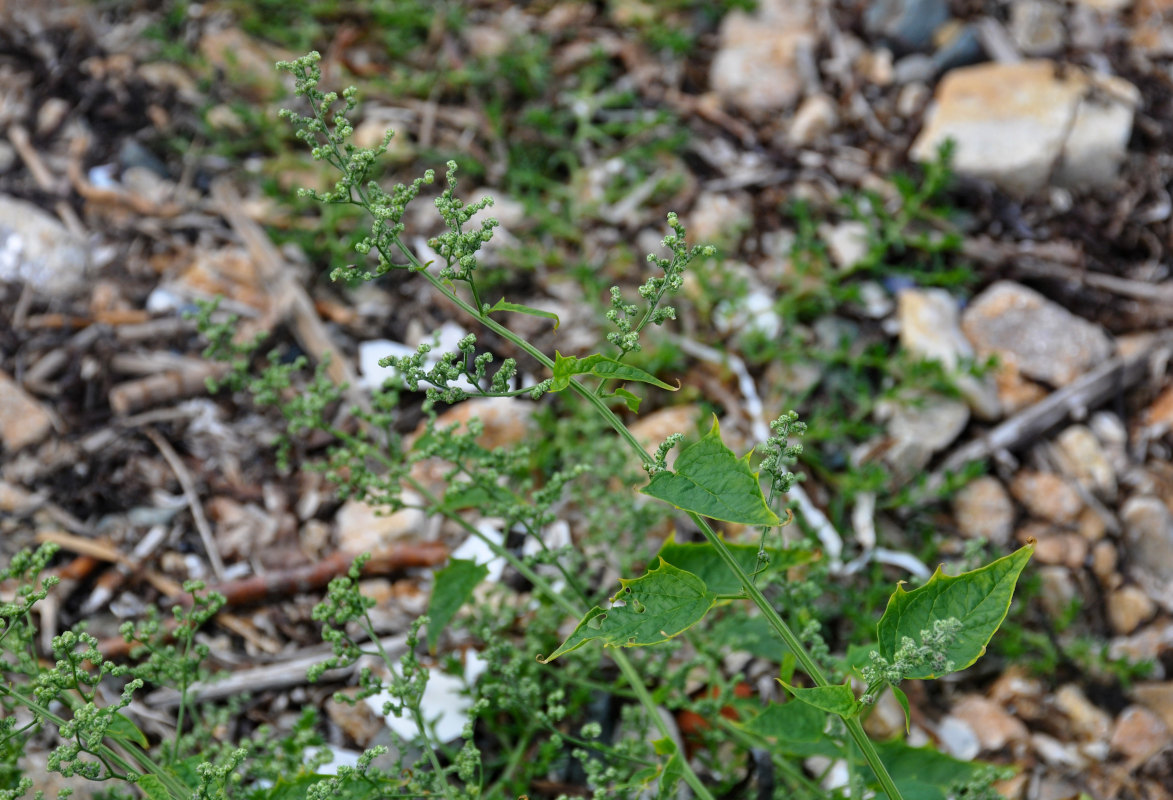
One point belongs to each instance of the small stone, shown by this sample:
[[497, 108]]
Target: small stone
[[908, 25], [1104, 560], [1092, 525], [1050, 127], [356, 720], [362, 528], [1148, 536], [958, 738], [1138, 734], [1020, 694], [917, 430], [505, 421], [886, 719], [756, 67], [961, 47], [1089, 722], [929, 328], [720, 217], [1080, 455], [1036, 26], [1044, 340], [847, 242], [994, 727], [38, 250], [51, 114], [1057, 754], [1150, 644], [652, 429], [1156, 696], [983, 510], [915, 69], [1046, 496], [1068, 549], [23, 420], [1158, 417], [1128, 607], [1151, 31], [1014, 391], [815, 118], [1058, 591]]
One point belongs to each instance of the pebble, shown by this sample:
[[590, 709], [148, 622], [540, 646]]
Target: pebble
[[1044, 340], [958, 738], [1150, 644], [1036, 26], [1089, 722], [907, 25], [847, 243], [1046, 496], [23, 420], [1138, 734], [652, 429], [362, 528], [756, 68], [918, 430], [720, 218], [929, 328], [35, 248], [1048, 129], [1156, 696], [983, 510], [960, 48], [1151, 31], [1148, 536], [1079, 454], [1068, 549], [886, 719], [1058, 591], [1056, 753], [994, 727], [916, 68], [1104, 561], [1014, 391], [815, 118], [1128, 608], [1020, 694]]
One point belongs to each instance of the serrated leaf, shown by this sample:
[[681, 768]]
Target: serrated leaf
[[566, 367], [700, 558], [501, 305], [793, 728], [152, 786], [836, 699], [630, 400], [656, 606], [453, 587], [979, 599], [710, 480], [122, 728]]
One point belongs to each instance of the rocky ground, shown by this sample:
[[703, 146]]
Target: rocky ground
[[132, 182]]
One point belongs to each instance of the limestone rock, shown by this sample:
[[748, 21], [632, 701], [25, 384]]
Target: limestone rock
[[1079, 454], [1148, 538], [815, 118], [1157, 696], [1138, 734], [23, 420], [38, 250], [983, 510], [919, 429], [1044, 340], [994, 726], [1128, 607], [1046, 496], [1022, 126], [756, 66], [929, 328]]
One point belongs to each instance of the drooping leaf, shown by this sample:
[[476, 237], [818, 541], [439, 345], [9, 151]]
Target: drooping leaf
[[710, 480], [122, 728], [501, 305], [902, 699], [654, 607], [153, 787], [835, 699], [453, 587], [632, 401], [794, 728], [566, 367], [979, 599], [700, 558]]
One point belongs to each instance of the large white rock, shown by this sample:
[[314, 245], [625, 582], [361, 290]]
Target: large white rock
[[1023, 125], [38, 250], [756, 67]]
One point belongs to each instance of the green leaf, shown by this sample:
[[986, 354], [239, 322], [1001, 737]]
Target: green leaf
[[924, 772], [701, 559], [710, 480], [152, 786], [454, 586], [979, 599], [296, 788], [630, 400], [566, 367], [533, 312], [839, 700], [754, 635], [672, 771], [902, 699], [123, 729], [660, 604], [793, 728]]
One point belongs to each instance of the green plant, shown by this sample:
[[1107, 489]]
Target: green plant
[[691, 597]]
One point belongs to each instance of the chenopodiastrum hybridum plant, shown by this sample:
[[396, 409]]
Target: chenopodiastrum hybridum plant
[[933, 630], [927, 632]]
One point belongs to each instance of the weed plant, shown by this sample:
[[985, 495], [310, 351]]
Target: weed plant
[[590, 685]]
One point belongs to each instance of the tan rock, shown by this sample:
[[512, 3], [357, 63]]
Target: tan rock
[[1092, 525], [886, 719], [1080, 455], [1128, 607], [1068, 549], [505, 420], [1046, 496], [1138, 734], [1049, 127], [1058, 591], [1044, 340], [362, 528], [1020, 694], [1104, 561], [983, 510], [23, 420], [994, 726], [1156, 696], [815, 118], [1015, 391], [1089, 722], [756, 65], [1148, 536], [654, 428]]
